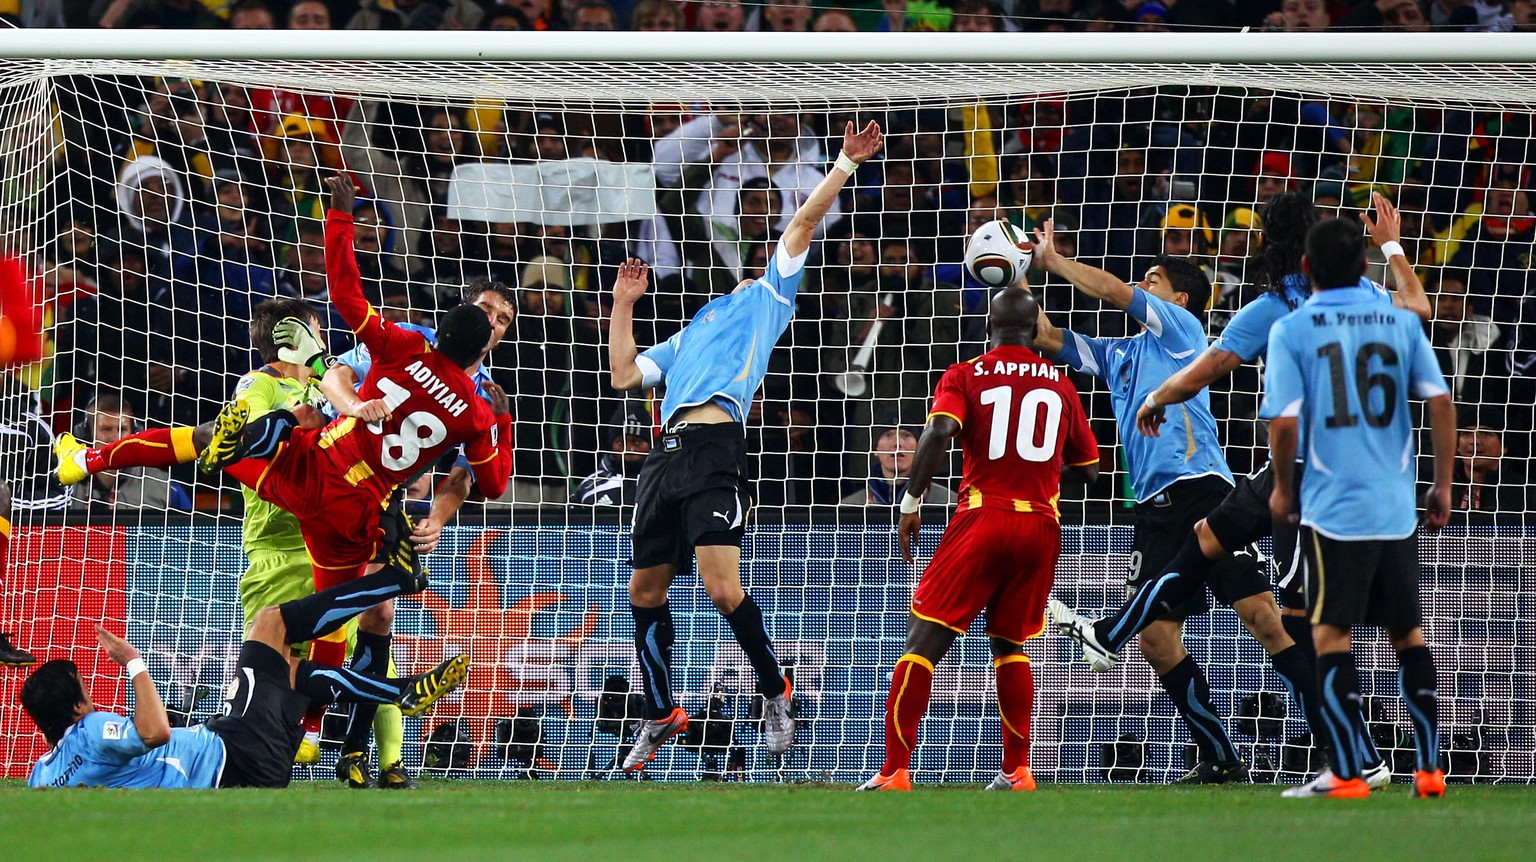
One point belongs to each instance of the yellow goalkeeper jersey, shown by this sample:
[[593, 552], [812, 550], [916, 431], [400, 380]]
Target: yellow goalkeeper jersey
[[267, 527]]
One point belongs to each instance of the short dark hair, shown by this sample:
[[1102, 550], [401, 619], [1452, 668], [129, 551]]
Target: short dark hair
[[107, 404], [266, 316], [462, 334], [50, 696], [1187, 278], [1336, 253], [471, 292]]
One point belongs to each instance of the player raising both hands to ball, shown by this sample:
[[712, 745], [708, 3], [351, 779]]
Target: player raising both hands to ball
[[693, 495]]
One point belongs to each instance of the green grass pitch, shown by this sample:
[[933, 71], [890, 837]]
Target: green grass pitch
[[602, 821]]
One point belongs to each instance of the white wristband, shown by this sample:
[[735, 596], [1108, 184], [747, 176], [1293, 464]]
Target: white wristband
[[1391, 249], [134, 667], [845, 164], [1150, 403], [910, 504]]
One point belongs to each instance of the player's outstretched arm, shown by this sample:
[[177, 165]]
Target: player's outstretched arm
[[858, 147], [1089, 279], [931, 447], [339, 386], [1387, 231], [628, 288], [1442, 430], [1208, 367], [490, 454], [149, 716]]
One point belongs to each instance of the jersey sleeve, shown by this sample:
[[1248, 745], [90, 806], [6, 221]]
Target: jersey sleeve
[[1080, 448], [1247, 333], [358, 359], [116, 739], [949, 397], [1284, 387], [1082, 353], [784, 274], [1424, 370], [346, 287], [259, 391], [489, 456], [656, 362], [1175, 327]]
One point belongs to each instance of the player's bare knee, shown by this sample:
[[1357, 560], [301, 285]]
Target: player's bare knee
[[1210, 546], [202, 435], [267, 627], [648, 587], [379, 619], [929, 640], [1003, 648]]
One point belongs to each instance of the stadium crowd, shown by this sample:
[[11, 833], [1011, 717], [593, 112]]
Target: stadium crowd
[[189, 202]]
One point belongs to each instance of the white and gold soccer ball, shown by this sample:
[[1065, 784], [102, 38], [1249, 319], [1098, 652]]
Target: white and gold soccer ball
[[998, 254]]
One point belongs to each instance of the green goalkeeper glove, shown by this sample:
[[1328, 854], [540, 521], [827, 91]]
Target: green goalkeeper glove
[[298, 343]]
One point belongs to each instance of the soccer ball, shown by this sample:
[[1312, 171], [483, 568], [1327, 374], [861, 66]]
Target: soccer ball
[[998, 254]]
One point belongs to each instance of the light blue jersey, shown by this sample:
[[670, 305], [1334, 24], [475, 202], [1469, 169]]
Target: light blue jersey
[[1344, 364], [722, 354], [1132, 367], [104, 750], [1247, 334]]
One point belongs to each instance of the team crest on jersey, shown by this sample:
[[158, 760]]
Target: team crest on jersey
[[111, 731], [709, 316]]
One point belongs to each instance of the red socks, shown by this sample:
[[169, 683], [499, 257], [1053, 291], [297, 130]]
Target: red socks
[[1015, 703], [155, 447], [911, 683]]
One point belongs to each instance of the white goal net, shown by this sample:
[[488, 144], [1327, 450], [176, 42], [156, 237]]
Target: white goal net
[[156, 202]]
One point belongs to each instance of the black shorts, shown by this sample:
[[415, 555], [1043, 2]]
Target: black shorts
[[1364, 583], [692, 491], [1164, 524], [260, 725], [1243, 518]]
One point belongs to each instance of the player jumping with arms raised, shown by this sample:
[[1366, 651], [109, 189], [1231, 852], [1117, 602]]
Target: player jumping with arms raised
[[693, 496], [1022, 432]]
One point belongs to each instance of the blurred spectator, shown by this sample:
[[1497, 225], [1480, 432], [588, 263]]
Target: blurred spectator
[[593, 15], [1307, 16], [891, 465], [656, 15], [1110, 234], [170, 127], [505, 18], [1187, 232], [304, 278], [298, 153], [720, 16], [787, 16], [798, 455], [1524, 14], [374, 244], [252, 15], [613, 482], [834, 21], [309, 15], [1486, 478], [159, 14], [1272, 176], [1151, 18], [416, 15], [1460, 336], [543, 368], [1492, 239], [1240, 239], [977, 16], [538, 13], [152, 200], [107, 420]]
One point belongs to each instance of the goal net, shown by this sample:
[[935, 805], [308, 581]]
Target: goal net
[[156, 202]]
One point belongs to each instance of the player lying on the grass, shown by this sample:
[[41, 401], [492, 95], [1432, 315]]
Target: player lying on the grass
[[253, 742], [374, 628], [693, 496], [1359, 521], [1022, 432], [1243, 517], [336, 479], [1175, 480]]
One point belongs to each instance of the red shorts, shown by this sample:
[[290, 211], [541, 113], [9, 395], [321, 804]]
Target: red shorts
[[994, 560], [340, 521]]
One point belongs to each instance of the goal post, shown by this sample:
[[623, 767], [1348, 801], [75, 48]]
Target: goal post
[[160, 184]]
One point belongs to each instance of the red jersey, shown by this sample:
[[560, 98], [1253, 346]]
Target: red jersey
[[1020, 420], [433, 402]]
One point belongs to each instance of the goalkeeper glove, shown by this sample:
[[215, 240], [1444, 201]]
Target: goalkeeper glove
[[298, 343]]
